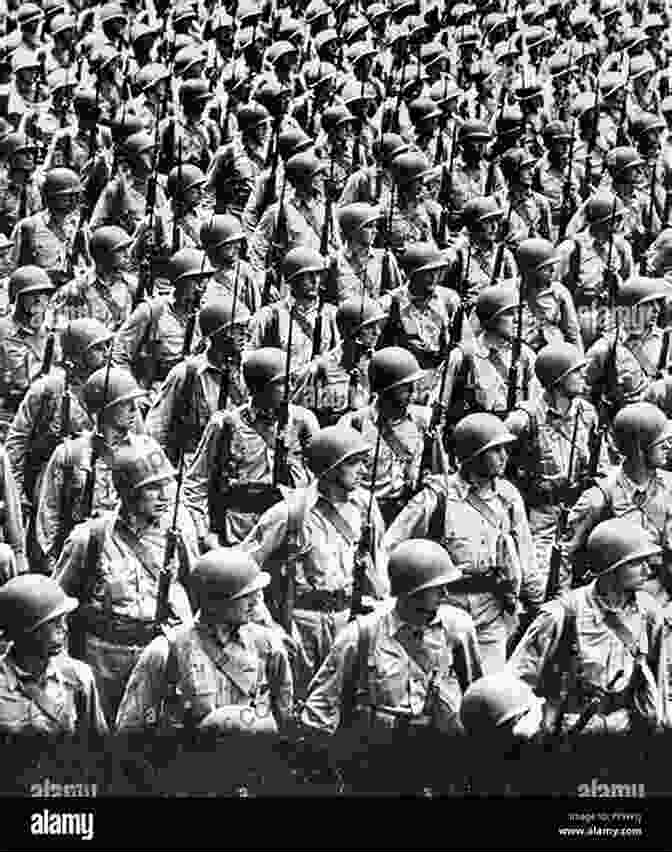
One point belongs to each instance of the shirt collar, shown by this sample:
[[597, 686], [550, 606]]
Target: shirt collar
[[397, 624]]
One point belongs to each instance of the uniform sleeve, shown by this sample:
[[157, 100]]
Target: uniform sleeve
[[583, 517], [413, 521], [145, 691], [130, 335], [281, 683], [71, 563], [48, 516], [532, 586], [161, 413], [323, 707], [538, 645], [13, 522], [268, 534]]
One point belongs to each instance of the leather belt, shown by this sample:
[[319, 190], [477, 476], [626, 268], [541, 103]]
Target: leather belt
[[325, 601], [117, 629], [476, 583]]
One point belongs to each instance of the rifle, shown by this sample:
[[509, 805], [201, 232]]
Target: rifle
[[365, 543], [499, 256], [393, 126], [34, 459], [553, 583], [661, 369], [177, 201], [324, 251], [490, 179], [90, 483], [444, 189], [647, 238], [565, 212], [65, 520], [163, 609], [591, 142], [516, 352], [280, 466], [277, 246], [93, 132], [386, 265], [594, 705]]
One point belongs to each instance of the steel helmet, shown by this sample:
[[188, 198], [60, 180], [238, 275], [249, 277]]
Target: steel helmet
[[31, 600], [409, 167], [391, 367], [355, 313], [61, 181], [333, 445], [29, 279], [600, 208], [493, 301], [509, 121], [444, 91], [227, 573], [336, 116], [183, 178], [111, 12], [353, 217], [28, 13], [102, 390], [612, 82], [640, 289], [420, 257], [303, 165], [15, 143], [476, 433], [419, 564], [423, 109], [617, 542], [555, 131], [280, 49], [195, 90], [644, 123], [149, 76], [137, 144], [106, 240], [480, 209], [293, 141], [494, 700], [252, 115], [23, 60], [301, 260], [188, 263], [535, 253], [474, 130], [622, 158], [80, 335], [263, 366], [218, 315], [221, 229], [640, 425], [60, 80], [514, 160], [641, 65], [391, 146], [556, 361], [188, 58], [318, 73], [142, 464]]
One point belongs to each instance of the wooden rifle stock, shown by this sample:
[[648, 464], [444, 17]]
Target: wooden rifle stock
[[280, 468]]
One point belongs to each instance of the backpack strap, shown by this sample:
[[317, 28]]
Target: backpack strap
[[353, 680]]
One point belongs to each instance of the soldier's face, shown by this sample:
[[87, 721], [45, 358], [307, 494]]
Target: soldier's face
[[269, 398], [259, 133], [574, 384], [48, 640], [422, 606], [423, 284], [505, 324], [306, 285], [223, 611], [633, 576], [24, 161], [119, 260], [96, 355], [493, 461], [351, 473], [121, 416], [35, 307], [488, 229], [658, 456], [368, 335], [192, 197], [401, 395], [225, 255], [364, 236], [154, 500], [26, 78]]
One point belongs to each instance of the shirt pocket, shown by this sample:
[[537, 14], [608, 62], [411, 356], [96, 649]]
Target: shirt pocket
[[14, 712], [389, 677]]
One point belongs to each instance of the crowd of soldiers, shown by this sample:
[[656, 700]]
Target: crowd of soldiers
[[335, 368]]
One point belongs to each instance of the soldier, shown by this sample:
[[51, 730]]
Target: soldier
[[373, 184], [80, 468], [299, 314], [114, 563], [194, 134], [557, 177], [236, 166], [335, 147], [637, 489], [414, 216], [223, 239], [104, 293], [549, 315], [211, 380], [23, 337], [316, 532], [606, 638], [480, 518], [19, 194], [47, 238], [153, 339], [554, 431], [44, 690], [71, 147], [234, 470], [436, 659], [392, 374], [184, 188], [530, 211], [360, 266], [232, 675]]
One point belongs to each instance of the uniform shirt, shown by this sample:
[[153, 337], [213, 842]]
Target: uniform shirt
[[131, 559], [472, 536], [474, 264], [62, 693], [223, 281], [11, 197], [326, 544], [549, 317], [467, 182], [601, 654], [367, 185], [491, 361], [123, 203], [106, 298], [399, 667], [215, 668], [21, 356], [413, 224], [249, 459], [45, 242], [400, 451], [202, 406], [583, 260], [12, 529], [632, 380], [530, 216], [71, 148], [361, 272]]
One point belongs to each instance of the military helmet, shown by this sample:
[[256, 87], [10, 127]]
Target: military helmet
[[188, 263], [280, 49], [80, 335], [353, 217], [61, 181], [640, 289], [111, 12], [252, 115], [556, 131], [493, 301], [355, 313], [509, 121], [107, 388], [556, 361], [612, 82], [14, 143], [621, 158], [315, 10], [423, 109], [301, 260], [476, 433], [600, 208], [28, 13], [292, 141], [263, 366], [218, 315], [318, 73], [641, 65], [514, 160], [195, 89], [480, 209], [303, 166], [535, 253], [617, 542], [24, 60], [640, 425], [420, 257], [137, 144], [228, 573], [221, 229], [409, 167], [333, 445], [474, 130], [141, 464], [187, 58], [183, 178], [444, 91], [391, 146], [644, 123], [31, 600], [493, 701], [106, 240], [560, 64], [84, 104], [59, 80], [29, 279], [391, 367], [358, 51], [420, 564], [149, 76], [336, 116]]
